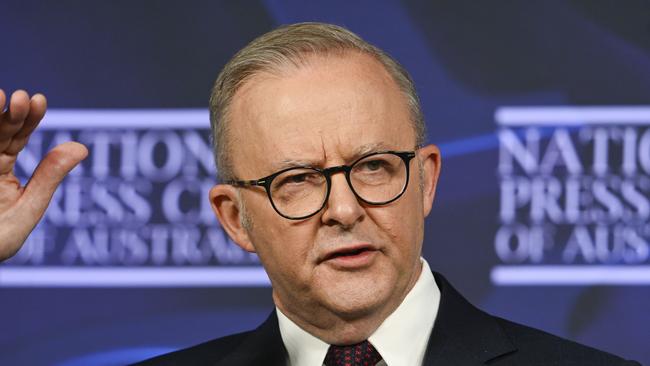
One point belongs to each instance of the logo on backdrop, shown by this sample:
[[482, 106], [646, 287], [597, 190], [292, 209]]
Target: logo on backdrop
[[139, 201], [574, 195]]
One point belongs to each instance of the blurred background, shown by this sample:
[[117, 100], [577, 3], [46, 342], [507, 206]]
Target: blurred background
[[540, 109]]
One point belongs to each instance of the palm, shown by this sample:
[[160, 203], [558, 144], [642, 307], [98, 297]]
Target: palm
[[22, 207]]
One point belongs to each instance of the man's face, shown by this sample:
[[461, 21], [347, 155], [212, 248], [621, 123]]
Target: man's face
[[351, 259]]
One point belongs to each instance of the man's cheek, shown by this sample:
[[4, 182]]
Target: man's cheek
[[390, 227]]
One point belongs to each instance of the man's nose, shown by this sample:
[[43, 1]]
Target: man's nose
[[342, 207]]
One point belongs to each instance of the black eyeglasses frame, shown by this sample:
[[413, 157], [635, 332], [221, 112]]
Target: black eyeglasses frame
[[265, 182]]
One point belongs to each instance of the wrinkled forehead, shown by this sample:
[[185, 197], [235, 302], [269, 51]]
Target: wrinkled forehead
[[327, 109]]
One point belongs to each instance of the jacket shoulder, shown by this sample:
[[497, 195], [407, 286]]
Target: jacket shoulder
[[534, 344], [201, 354]]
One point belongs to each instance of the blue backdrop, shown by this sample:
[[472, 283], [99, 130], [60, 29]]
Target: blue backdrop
[[540, 109]]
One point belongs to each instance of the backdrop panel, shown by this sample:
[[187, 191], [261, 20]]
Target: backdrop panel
[[541, 111]]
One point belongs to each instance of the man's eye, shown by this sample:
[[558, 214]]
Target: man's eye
[[373, 165], [298, 179]]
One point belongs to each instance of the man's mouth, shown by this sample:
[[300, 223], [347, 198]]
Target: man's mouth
[[351, 256], [347, 253]]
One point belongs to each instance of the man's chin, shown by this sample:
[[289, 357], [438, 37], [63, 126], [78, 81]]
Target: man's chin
[[356, 303], [355, 320]]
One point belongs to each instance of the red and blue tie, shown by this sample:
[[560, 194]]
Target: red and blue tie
[[360, 354]]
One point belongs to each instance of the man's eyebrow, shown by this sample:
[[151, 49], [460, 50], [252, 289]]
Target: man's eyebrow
[[370, 148], [358, 152], [290, 163]]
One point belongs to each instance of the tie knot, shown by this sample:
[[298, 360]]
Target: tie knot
[[360, 354]]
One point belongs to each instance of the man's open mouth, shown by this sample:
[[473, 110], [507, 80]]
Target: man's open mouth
[[349, 252]]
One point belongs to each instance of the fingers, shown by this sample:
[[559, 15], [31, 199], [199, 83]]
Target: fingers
[[37, 107], [20, 120], [47, 177], [19, 218], [9, 120], [18, 107], [3, 99]]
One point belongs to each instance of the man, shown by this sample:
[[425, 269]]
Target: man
[[320, 150]]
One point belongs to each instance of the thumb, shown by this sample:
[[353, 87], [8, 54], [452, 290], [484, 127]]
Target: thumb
[[48, 175]]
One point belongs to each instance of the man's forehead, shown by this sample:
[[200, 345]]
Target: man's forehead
[[349, 60], [312, 81], [343, 106]]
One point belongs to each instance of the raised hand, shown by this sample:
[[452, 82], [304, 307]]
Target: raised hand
[[22, 207]]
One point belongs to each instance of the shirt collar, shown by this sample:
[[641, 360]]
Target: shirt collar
[[302, 347], [401, 339]]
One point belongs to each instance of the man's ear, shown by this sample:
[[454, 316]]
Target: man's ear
[[429, 157], [224, 200]]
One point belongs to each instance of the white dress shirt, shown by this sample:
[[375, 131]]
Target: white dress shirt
[[401, 339]]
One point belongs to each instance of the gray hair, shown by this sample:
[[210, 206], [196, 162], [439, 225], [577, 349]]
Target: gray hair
[[289, 45]]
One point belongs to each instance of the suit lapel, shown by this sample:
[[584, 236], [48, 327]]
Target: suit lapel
[[463, 334], [262, 346]]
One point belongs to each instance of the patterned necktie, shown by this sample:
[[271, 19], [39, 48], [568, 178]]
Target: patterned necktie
[[360, 354]]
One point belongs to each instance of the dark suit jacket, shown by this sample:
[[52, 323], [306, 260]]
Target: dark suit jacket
[[462, 335]]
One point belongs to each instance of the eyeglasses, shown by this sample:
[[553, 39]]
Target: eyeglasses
[[297, 193]]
